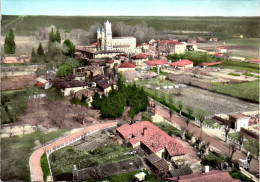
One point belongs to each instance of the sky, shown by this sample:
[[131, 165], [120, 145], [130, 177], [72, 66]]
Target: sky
[[132, 7]]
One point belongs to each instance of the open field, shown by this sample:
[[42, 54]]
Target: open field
[[251, 67], [209, 101], [248, 42], [245, 90], [17, 82], [155, 82], [16, 150], [220, 26], [62, 161]]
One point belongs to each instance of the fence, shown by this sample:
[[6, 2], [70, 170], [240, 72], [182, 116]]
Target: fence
[[230, 139], [206, 126]]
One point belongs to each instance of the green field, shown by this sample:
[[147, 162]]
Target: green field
[[62, 161], [222, 27], [244, 90], [249, 42], [244, 66], [16, 151]]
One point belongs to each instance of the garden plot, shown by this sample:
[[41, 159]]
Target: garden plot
[[213, 102]]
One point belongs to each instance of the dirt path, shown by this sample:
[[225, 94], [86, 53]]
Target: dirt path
[[254, 167], [34, 162], [212, 102]]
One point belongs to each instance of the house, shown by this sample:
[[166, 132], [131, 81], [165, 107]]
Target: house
[[237, 121], [192, 40], [254, 61], [157, 62], [103, 84], [69, 87], [201, 39], [183, 64], [171, 47], [211, 176], [139, 59], [221, 50], [205, 64], [126, 66], [144, 46], [41, 82], [151, 139]]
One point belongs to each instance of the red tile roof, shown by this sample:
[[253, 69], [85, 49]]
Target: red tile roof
[[95, 43], [39, 84], [127, 64], [110, 61], [182, 63], [140, 56], [238, 115], [212, 176], [254, 60], [122, 55], [152, 137], [210, 64], [216, 54], [170, 42], [156, 62], [222, 48]]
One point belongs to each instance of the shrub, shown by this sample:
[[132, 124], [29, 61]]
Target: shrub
[[248, 74], [234, 74], [45, 166]]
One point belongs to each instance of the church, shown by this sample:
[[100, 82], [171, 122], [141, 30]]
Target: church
[[105, 41]]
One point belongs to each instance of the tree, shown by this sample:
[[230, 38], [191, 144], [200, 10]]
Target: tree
[[64, 70], [57, 36], [33, 56], [52, 36], [201, 118], [180, 106], [233, 150], [40, 51], [240, 140], [187, 122], [190, 110], [70, 46], [227, 129], [171, 113], [9, 45], [53, 94]]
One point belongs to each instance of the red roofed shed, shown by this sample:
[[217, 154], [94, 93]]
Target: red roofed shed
[[140, 56], [157, 62], [210, 64], [127, 64], [185, 63]]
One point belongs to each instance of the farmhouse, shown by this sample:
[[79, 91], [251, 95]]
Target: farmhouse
[[151, 139], [139, 59], [221, 49], [238, 120], [126, 66], [70, 87], [157, 62], [183, 64], [103, 84]]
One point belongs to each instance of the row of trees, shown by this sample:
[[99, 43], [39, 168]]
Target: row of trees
[[112, 106], [9, 45]]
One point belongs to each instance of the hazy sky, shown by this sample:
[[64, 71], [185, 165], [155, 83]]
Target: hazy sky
[[132, 7]]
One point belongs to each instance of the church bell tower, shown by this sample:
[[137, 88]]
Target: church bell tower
[[108, 35]]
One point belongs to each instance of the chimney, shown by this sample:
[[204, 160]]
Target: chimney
[[206, 170], [144, 130]]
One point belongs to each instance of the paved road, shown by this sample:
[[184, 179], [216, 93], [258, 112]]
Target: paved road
[[34, 162], [160, 110]]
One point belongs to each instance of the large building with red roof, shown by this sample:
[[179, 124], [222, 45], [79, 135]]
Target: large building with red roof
[[211, 176], [152, 139], [183, 64]]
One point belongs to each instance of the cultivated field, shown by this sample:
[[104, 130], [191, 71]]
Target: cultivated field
[[17, 82], [209, 101]]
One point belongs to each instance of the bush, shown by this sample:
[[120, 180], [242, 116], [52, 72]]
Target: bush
[[239, 175], [234, 74], [64, 70], [45, 167], [248, 74], [213, 159], [81, 102], [169, 129], [53, 94]]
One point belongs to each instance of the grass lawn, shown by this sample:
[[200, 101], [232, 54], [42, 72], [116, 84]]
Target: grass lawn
[[155, 82], [62, 161], [244, 66], [16, 151], [249, 42], [130, 176], [210, 123], [244, 90]]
